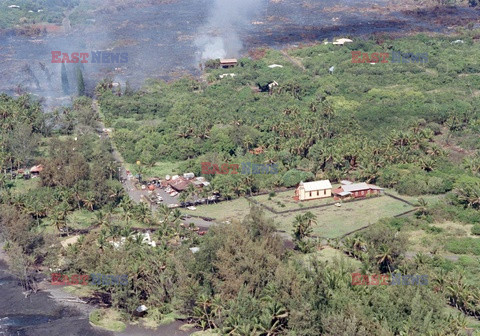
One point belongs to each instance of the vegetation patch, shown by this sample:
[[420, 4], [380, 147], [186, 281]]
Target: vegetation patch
[[108, 319], [464, 246]]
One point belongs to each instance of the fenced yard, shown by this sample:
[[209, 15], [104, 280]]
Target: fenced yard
[[337, 221], [333, 221]]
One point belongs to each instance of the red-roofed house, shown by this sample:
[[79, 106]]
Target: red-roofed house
[[180, 184], [355, 190], [36, 170]]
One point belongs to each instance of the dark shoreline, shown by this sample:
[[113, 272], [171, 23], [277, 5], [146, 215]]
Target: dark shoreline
[[41, 314]]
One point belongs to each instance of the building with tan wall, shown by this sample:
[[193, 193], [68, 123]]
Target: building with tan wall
[[313, 190]]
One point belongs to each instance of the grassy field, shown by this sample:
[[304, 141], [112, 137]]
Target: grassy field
[[332, 221], [336, 221], [223, 211], [284, 201], [328, 254], [20, 186], [414, 199]]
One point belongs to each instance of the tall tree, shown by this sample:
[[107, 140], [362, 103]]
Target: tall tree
[[65, 84], [80, 83]]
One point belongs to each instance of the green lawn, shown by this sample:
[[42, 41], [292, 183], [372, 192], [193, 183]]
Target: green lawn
[[414, 199], [332, 221], [336, 221], [223, 211], [21, 186], [328, 254], [283, 201]]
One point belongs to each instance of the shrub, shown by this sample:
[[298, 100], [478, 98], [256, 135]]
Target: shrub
[[464, 246], [433, 229], [476, 230], [294, 177]]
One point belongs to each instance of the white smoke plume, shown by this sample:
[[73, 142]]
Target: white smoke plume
[[219, 37]]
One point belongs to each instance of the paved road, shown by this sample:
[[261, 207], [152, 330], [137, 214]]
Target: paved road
[[135, 194]]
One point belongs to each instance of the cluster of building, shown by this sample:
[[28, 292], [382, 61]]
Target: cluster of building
[[323, 189], [178, 183], [28, 173]]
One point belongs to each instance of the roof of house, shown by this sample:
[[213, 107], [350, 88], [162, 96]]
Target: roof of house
[[359, 186], [256, 151], [342, 41], [344, 182], [344, 193], [36, 169], [316, 185], [179, 184], [228, 60]]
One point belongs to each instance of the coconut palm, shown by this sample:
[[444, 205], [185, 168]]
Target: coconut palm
[[384, 257], [163, 212], [89, 201], [58, 220], [422, 208]]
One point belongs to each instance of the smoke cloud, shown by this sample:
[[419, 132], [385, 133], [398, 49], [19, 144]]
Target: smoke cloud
[[220, 36]]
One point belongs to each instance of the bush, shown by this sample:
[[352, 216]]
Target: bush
[[476, 230], [422, 183], [294, 177], [464, 246], [433, 229], [107, 319]]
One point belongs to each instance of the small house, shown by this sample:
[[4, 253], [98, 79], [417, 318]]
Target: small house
[[36, 170], [188, 176], [257, 150], [342, 41], [355, 190], [228, 63], [313, 190], [179, 184]]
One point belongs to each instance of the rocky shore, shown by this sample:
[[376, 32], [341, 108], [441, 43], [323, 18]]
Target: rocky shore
[[52, 311]]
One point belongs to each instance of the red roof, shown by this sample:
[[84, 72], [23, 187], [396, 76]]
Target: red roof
[[179, 184], [36, 169], [354, 187]]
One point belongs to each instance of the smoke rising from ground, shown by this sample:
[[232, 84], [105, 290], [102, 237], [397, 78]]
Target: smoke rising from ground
[[220, 36]]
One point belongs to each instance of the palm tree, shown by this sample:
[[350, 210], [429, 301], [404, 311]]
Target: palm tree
[[58, 220], [164, 213], [302, 226], [422, 208], [89, 201], [238, 187], [385, 257], [191, 191], [183, 198], [127, 215], [102, 240], [176, 216]]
